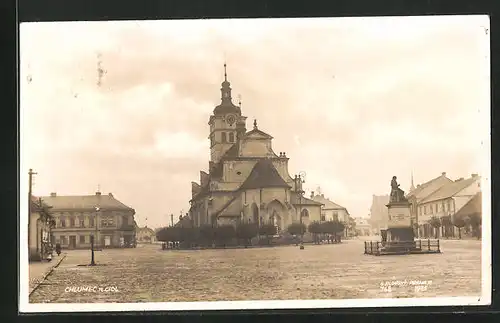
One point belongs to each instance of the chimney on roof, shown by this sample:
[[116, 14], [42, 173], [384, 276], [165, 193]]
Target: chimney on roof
[[312, 194], [443, 173], [474, 175], [53, 194], [98, 193]]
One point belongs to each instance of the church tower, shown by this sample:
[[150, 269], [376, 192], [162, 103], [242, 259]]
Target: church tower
[[226, 123]]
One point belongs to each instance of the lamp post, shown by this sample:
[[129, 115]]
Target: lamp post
[[97, 209]]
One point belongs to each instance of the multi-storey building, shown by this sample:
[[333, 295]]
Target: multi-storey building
[[417, 194], [77, 218], [39, 229], [446, 201]]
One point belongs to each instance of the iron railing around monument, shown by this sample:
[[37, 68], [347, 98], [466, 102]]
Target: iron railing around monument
[[378, 247]]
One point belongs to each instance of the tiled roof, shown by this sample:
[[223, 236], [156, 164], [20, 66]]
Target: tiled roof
[[264, 175], [295, 199], [328, 205], [428, 188], [474, 206], [69, 202], [234, 151], [449, 190]]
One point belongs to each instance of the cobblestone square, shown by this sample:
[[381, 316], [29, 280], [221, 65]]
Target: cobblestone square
[[342, 271]]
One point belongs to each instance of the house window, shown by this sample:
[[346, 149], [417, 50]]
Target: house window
[[425, 209], [82, 239], [224, 137], [71, 221], [63, 223], [62, 239], [107, 222], [231, 137], [91, 222], [322, 217], [82, 222], [335, 216], [449, 205]]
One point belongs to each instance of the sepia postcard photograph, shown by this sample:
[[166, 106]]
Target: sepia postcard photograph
[[220, 164]]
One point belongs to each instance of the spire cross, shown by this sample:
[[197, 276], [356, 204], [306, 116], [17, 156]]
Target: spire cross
[[239, 100], [225, 73], [98, 187], [255, 123]]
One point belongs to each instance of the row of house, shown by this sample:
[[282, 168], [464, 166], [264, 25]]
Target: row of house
[[74, 219], [438, 198]]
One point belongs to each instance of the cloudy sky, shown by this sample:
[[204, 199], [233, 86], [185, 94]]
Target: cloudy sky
[[352, 102]]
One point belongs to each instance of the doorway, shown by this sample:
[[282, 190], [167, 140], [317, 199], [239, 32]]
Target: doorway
[[72, 242]]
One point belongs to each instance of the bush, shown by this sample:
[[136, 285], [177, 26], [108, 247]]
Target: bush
[[247, 231], [314, 228], [267, 230], [224, 234], [296, 229]]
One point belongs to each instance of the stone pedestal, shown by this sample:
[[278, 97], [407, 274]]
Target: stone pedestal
[[399, 233]]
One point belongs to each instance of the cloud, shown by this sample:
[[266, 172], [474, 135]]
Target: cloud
[[351, 101]]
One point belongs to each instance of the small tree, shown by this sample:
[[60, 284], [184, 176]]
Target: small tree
[[314, 228], [459, 223], [436, 224], [267, 230], [339, 227], [297, 229], [224, 234], [474, 220], [446, 222], [247, 231]]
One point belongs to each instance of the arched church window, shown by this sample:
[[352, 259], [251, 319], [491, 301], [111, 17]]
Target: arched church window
[[231, 137], [224, 138]]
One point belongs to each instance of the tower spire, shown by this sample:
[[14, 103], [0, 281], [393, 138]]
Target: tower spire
[[412, 187], [225, 72]]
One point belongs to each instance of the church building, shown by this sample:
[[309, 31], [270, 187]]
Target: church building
[[246, 180]]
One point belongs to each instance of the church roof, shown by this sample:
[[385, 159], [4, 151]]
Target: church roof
[[260, 132], [264, 174], [227, 107], [234, 151]]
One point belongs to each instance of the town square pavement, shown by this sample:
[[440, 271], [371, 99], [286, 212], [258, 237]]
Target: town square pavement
[[328, 271]]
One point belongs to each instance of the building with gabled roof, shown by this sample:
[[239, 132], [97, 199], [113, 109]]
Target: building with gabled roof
[[78, 217], [330, 211], [447, 200], [246, 179], [420, 192]]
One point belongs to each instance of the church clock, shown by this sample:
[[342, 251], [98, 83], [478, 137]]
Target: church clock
[[230, 119]]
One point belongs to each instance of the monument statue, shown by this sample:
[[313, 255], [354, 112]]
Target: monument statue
[[397, 194]]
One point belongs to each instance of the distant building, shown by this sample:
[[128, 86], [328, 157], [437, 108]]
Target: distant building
[[78, 217], [379, 213], [363, 227], [39, 228], [422, 191], [145, 235], [446, 201], [331, 211]]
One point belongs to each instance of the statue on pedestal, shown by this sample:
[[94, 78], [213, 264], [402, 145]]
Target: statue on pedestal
[[397, 194]]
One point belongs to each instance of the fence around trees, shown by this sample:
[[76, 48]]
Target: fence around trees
[[244, 233]]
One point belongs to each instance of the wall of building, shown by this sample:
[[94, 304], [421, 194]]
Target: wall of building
[[81, 224], [256, 147], [335, 215]]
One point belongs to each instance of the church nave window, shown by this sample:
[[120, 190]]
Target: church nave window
[[231, 137], [224, 137]]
